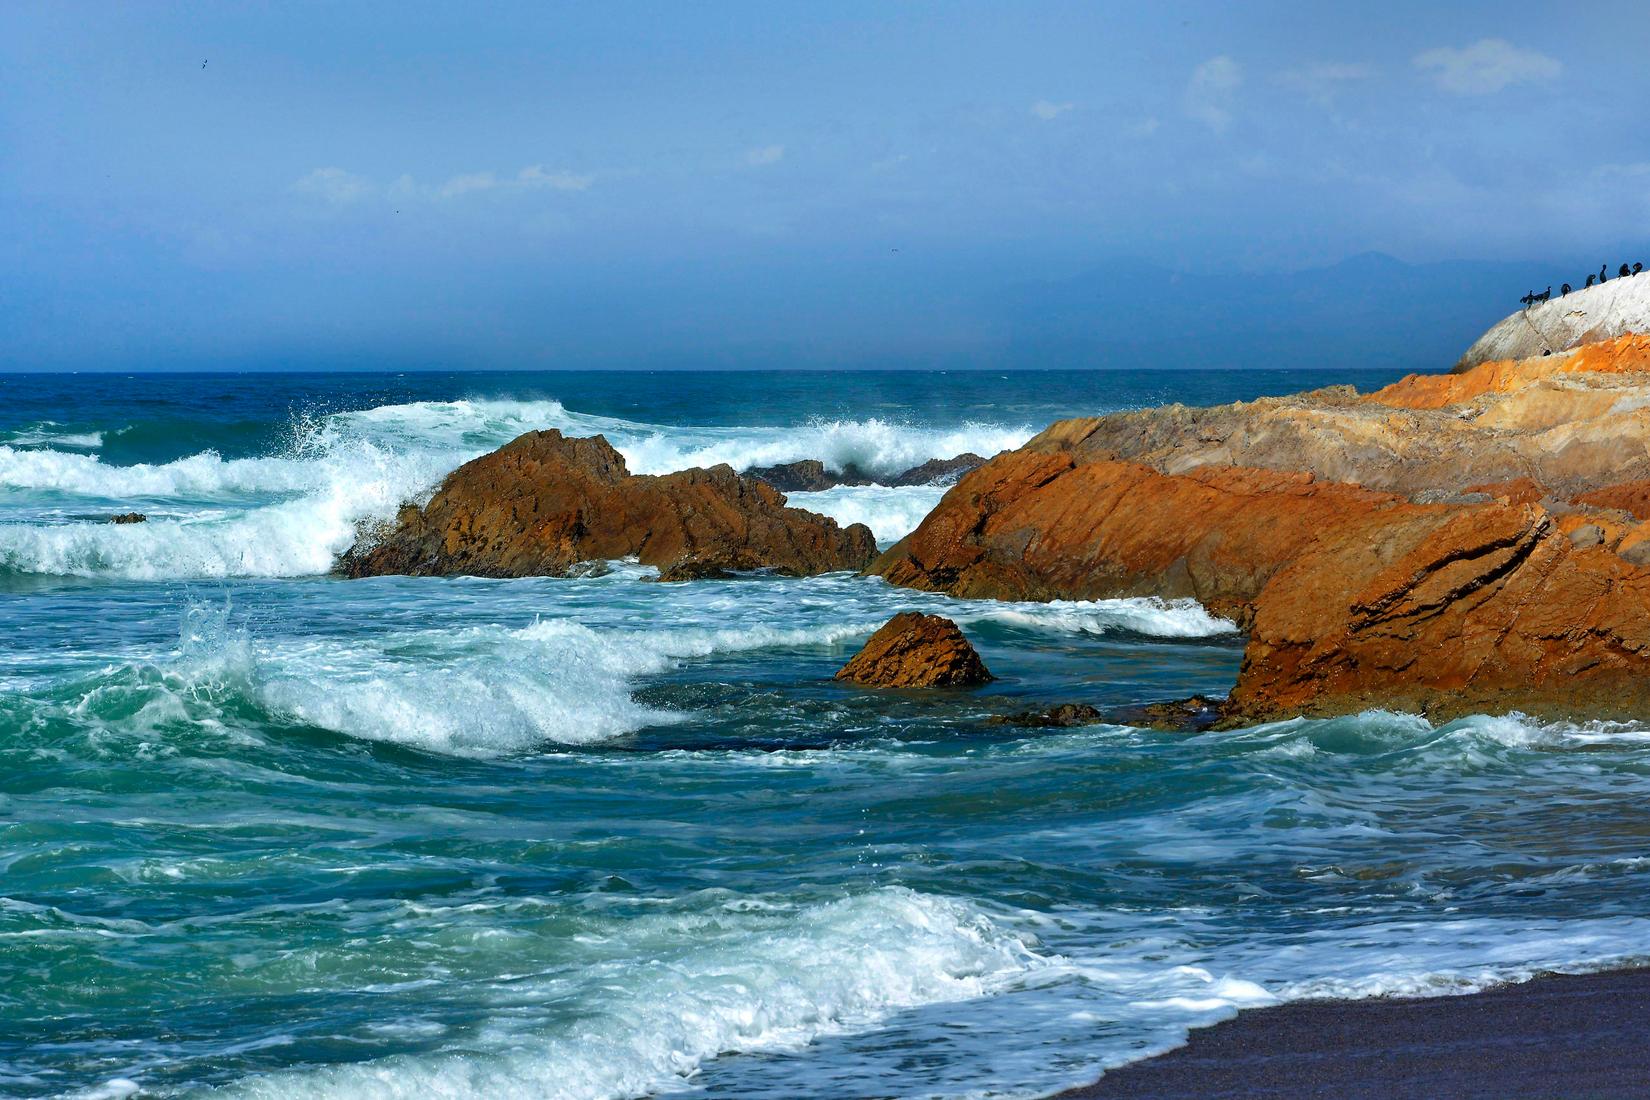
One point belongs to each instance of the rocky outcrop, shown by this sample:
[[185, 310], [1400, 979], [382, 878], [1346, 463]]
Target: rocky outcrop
[[129, 517], [543, 504], [938, 471], [1037, 526], [806, 476], [1584, 316], [811, 475], [1447, 611], [913, 650], [1568, 423], [1448, 544]]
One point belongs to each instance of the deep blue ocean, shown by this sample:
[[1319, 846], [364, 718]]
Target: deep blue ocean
[[269, 833]]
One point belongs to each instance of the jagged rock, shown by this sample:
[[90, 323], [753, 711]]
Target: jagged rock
[[1491, 558], [1451, 611], [938, 470], [546, 505], [129, 517], [913, 650], [807, 476]]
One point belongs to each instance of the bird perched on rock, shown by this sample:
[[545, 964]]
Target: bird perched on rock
[[1623, 271], [1564, 291], [1591, 279], [1602, 277]]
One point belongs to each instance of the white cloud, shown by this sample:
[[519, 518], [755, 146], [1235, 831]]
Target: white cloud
[[1048, 111], [559, 179], [1486, 66], [766, 154], [334, 185], [465, 184], [1210, 92], [1321, 80], [339, 187]]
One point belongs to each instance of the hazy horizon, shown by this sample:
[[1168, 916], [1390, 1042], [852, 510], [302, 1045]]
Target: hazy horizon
[[392, 187]]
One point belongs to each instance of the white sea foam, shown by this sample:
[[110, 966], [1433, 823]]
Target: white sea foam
[[199, 475], [1139, 615], [874, 446], [671, 991], [479, 692], [291, 514], [296, 536], [49, 433], [890, 513]]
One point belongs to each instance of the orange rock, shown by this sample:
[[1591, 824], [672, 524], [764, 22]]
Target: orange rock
[[1032, 526], [543, 503], [1625, 354], [1629, 496], [1449, 611], [913, 650]]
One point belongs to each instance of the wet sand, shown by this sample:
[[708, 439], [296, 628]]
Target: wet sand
[[1575, 1037]]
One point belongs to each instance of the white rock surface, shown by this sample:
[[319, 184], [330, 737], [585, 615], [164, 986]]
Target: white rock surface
[[1596, 313]]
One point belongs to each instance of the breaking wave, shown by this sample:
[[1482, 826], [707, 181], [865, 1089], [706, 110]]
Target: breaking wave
[[679, 989], [292, 513]]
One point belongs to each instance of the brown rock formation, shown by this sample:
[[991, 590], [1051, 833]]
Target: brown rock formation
[[913, 650], [543, 503], [1446, 545], [1566, 422], [1449, 611], [1032, 526], [129, 517]]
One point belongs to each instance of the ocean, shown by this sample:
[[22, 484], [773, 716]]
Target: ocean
[[270, 833]]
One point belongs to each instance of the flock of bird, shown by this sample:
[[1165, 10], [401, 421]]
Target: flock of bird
[[1603, 276]]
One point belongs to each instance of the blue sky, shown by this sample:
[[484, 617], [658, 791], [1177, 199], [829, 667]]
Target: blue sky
[[544, 185]]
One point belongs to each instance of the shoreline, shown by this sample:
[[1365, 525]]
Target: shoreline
[[1556, 1035]]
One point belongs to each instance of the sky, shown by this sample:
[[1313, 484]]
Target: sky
[[776, 184]]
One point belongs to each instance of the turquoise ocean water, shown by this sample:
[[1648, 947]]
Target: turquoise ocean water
[[268, 833]]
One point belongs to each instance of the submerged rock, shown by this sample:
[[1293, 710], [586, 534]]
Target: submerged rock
[[811, 475], [546, 505], [938, 471], [1192, 715], [913, 650], [1061, 716]]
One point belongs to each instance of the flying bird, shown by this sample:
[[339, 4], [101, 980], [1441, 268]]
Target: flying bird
[[203, 64]]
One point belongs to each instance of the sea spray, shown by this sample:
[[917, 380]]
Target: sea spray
[[293, 513]]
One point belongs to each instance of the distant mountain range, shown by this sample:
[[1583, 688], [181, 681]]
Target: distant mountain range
[[1369, 311]]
